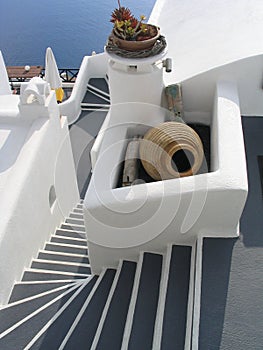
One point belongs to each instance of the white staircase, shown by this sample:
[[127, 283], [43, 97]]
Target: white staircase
[[59, 304]]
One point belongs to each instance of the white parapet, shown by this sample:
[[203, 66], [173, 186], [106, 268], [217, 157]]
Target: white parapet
[[123, 221], [36, 166]]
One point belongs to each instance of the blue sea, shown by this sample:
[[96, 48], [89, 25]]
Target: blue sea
[[72, 28]]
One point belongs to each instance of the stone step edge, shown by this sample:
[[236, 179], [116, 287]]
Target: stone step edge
[[56, 262], [51, 252]]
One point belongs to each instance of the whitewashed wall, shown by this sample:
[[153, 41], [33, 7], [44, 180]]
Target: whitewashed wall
[[35, 155], [91, 67], [204, 34], [121, 222], [247, 74]]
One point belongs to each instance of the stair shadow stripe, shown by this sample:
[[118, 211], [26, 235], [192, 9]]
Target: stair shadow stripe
[[38, 310], [89, 282]]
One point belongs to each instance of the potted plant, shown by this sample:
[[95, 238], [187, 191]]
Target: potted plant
[[132, 34]]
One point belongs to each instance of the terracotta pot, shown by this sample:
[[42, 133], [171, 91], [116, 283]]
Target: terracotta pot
[[171, 150], [138, 45]]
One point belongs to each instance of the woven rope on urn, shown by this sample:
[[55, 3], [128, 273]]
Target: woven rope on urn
[[165, 146]]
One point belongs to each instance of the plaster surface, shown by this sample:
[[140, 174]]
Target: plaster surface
[[121, 222], [91, 67], [204, 34], [35, 155]]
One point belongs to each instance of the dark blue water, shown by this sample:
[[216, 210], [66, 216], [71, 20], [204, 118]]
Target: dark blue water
[[72, 28]]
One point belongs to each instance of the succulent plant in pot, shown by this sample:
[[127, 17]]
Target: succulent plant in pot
[[130, 33]]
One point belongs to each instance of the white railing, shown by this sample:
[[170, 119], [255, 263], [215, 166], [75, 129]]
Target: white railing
[[91, 67]]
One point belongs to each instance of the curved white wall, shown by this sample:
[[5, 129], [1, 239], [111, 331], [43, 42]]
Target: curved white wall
[[204, 34], [199, 90], [91, 67], [121, 222]]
